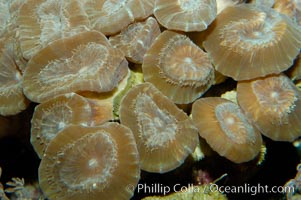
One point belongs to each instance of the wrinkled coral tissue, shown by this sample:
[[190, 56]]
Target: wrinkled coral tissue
[[117, 92]]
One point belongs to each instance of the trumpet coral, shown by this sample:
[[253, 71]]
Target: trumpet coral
[[53, 115], [48, 21], [90, 163], [250, 41], [177, 67], [226, 129], [84, 62], [136, 39], [12, 99], [273, 104], [185, 15], [165, 135], [110, 16]]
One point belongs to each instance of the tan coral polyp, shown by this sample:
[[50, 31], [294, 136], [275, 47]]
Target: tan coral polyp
[[185, 15], [135, 40], [222, 124], [165, 135], [12, 99], [99, 162], [110, 17], [273, 104], [177, 67], [48, 21], [84, 62], [53, 115], [248, 41]]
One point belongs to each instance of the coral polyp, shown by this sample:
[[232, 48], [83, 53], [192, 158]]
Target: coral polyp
[[250, 41], [136, 39], [185, 15], [84, 62], [177, 67], [49, 20], [110, 16], [54, 115], [279, 98], [226, 129], [165, 135], [93, 92], [90, 163]]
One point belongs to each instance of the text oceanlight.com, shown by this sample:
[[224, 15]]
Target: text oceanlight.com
[[159, 188]]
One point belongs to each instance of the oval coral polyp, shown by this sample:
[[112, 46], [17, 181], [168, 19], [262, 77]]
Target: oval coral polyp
[[90, 163], [248, 41], [48, 21], [136, 39], [177, 67], [273, 104], [53, 115], [165, 135], [226, 129], [111, 16], [185, 15], [84, 62]]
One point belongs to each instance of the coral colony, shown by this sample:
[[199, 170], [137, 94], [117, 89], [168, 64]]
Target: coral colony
[[121, 88]]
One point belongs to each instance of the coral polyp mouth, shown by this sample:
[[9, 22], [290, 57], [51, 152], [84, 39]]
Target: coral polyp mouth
[[234, 124]]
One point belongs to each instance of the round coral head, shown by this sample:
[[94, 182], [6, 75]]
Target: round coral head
[[111, 16], [273, 104], [185, 15], [48, 21], [136, 39], [226, 129], [248, 41], [165, 135], [93, 163], [53, 115], [84, 62], [177, 67]]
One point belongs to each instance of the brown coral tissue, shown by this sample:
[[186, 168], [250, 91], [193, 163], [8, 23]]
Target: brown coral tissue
[[165, 135], [248, 41], [177, 67], [90, 163], [84, 62], [273, 104], [226, 129]]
